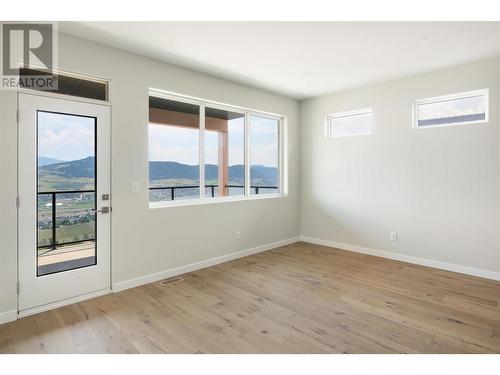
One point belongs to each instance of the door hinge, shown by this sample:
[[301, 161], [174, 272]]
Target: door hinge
[[18, 202], [18, 288]]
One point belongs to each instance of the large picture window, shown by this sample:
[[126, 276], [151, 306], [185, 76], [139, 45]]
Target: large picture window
[[200, 150]]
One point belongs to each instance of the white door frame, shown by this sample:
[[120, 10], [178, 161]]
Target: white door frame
[[26, 184]]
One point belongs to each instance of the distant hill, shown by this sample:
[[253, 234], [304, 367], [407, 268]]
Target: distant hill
[[67, 175], [74, 173], [160, 170], [42, 160], [70, 169]]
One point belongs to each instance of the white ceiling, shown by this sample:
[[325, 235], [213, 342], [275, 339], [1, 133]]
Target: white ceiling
[[296, 59]]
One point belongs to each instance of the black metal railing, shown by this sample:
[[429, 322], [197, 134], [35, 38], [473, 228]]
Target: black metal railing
[[53, 200], [211, 187]]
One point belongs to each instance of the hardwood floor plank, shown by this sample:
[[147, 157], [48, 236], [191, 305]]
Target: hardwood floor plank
[[304, 298]]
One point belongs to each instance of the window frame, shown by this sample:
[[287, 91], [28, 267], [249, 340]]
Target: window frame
[[68, 74], [445, 98], [247, 112], [356, 112]]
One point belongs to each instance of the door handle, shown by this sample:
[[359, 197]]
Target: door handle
[[104, 210]]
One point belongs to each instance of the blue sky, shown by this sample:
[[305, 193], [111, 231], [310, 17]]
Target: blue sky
[[65, 137], [236, 140], [171, 143]]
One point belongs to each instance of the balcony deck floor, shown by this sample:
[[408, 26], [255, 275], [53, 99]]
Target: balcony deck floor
[[66, 253]]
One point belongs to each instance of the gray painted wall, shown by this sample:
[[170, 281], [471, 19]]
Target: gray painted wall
[[438, 188], [146, 241]]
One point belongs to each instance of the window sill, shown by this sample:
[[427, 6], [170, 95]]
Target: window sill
[[196, 202]]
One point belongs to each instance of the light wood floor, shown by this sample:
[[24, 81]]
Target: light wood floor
[[303, 299]]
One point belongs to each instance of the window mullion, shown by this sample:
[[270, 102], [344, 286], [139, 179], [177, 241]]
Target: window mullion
[[247, 154], [202, 151], [281, 156]]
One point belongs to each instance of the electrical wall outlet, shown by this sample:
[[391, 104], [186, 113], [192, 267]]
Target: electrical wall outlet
[[394, 236], [238, 235]]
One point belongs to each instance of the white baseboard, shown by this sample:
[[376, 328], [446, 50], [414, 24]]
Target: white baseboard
[[118, 287], [406, 258], [8, 316], [64, 302]]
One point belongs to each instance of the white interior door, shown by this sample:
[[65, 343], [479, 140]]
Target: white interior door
[[64, 201]]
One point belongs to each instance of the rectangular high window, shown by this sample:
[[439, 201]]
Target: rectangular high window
[[350, 123], [204, 151], [457, 109]]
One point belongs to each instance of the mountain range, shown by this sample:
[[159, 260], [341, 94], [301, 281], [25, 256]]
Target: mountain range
[[69, 169], [161, 170], [43, 160], [262, 175]]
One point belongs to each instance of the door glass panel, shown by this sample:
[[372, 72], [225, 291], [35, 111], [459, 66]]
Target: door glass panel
[[66, 192]]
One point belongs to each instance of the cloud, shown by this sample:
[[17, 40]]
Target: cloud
[[451, 108], [65, 137], [171, 143]]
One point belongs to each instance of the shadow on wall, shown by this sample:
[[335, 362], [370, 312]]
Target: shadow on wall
[[338, 222]]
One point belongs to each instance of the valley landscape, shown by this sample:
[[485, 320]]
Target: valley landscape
[[75, 220]]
